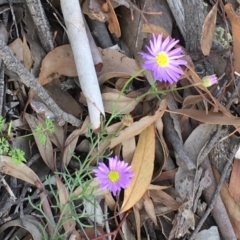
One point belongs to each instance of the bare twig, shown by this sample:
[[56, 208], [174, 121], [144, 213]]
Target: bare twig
[[13, 17], [29, 80], [8, 189], [41, 23]]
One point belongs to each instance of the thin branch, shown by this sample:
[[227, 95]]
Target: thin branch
[[42, 26]]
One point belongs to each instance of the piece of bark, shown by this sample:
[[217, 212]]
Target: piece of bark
[[194, 18], [178, 13]]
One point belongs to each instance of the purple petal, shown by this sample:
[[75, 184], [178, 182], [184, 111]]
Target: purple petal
[[171, 45], [176, 69], [150, 50], [165, 43], [175, 52]]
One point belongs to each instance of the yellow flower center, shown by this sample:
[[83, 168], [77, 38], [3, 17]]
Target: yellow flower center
[[162, 59], [113, 176]]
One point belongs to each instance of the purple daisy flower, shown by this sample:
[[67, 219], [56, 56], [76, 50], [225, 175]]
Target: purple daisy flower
[[208, 81], [163, 60], [118, 175]]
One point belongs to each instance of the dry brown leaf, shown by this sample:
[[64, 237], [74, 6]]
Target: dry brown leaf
[[165, 152], [128, 149], [166, 199], [235, 181], [116, 64], [156, 187], [93, 8], [93, 188], [25, 223], [137, 221], [120, 83], [208, 30], [46, 151], [22, 52], [210, 118], [192, 100], [137, 127], [109, 75], [142, 166], [27, 55], [113, 21], [69, 224], [114, 128], [106, 89], [63, 98], [20, 171], [166, 175], [151, 28], [109, 200], [232, 207], [235, 22], [120, 104], [58, 62], [148, 205], [71, 141]]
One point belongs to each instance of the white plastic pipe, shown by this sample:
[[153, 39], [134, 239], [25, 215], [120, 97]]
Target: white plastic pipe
[[83, 58]]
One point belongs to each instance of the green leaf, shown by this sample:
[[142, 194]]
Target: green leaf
[[2, 122], [50, 125], [4, 145], [17, 155]]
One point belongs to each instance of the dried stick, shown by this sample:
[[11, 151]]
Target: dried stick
[[41, 23], [12, 64], [9, 190]]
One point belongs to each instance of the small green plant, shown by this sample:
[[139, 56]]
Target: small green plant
[[41, 131], [18, 155], [4, 145]]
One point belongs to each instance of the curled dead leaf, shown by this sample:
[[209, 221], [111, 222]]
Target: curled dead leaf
[[113, 21], [59, 61], [20, 171], [208, 30], [235, 22], [123, 105]]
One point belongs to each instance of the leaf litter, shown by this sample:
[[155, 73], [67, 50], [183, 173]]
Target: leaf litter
[[173, 137]]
